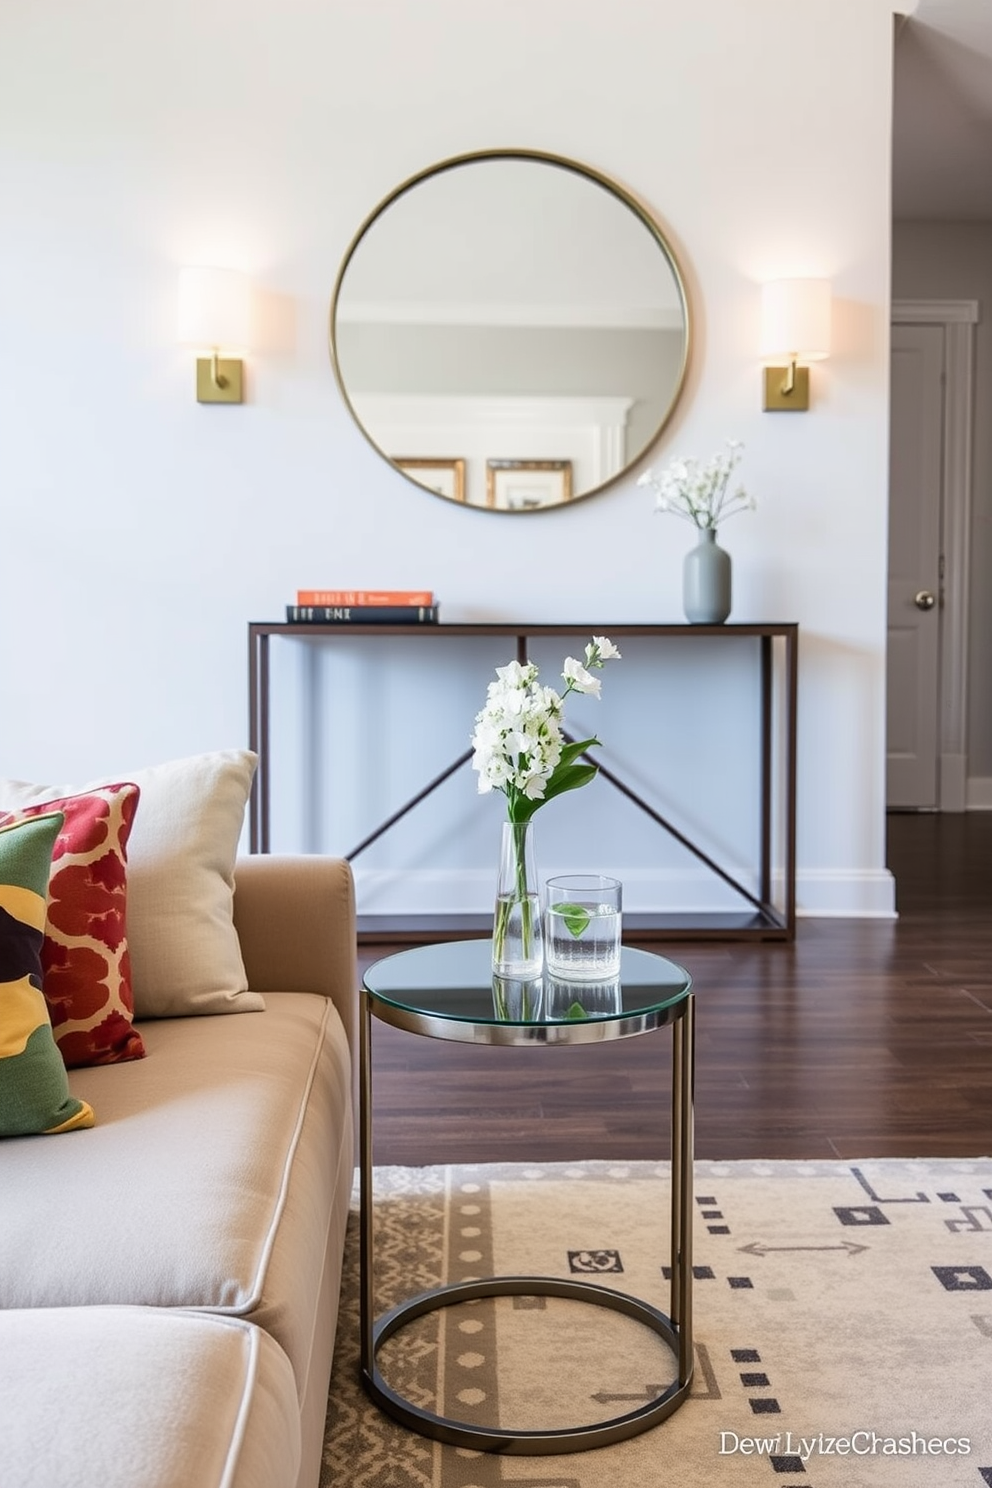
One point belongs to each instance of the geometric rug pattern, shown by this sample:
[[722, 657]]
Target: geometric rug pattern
[[842, 1325]]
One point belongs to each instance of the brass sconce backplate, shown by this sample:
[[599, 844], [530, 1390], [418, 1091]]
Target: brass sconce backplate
[[226, 387], [777, 400]]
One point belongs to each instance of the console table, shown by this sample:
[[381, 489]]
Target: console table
[[759, 917]]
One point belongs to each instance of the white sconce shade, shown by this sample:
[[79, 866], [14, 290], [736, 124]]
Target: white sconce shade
[[214, 309], [214, 314], [795, 327], [795, 319]]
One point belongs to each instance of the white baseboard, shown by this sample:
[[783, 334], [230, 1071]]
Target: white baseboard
[[846, 894], [853, 893], [979, 793]]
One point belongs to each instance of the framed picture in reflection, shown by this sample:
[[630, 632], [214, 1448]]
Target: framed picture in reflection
[[445, 477], [527, 485]]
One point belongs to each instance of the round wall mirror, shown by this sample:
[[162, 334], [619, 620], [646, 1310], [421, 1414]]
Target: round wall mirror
[[510, 330]]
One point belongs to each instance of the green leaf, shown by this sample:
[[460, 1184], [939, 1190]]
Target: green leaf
[[576, 917], [575, 1011], [569, 778], [565, 776], [571, 752]]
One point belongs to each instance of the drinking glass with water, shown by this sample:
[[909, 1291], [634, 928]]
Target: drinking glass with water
[[582, 927]]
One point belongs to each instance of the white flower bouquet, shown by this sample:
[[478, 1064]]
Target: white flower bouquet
[[520, 749], [518, 742], [699, 492]]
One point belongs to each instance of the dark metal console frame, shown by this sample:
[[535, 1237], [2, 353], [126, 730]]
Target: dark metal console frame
[[763, 920], [675, 1329]]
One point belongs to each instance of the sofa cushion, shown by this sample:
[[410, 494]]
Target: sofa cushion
[[84, 959], [209, 1401], [185, 956], [219, 1167], [34, 1091]]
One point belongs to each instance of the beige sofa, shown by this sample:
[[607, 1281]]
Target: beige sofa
[[169, 1278]]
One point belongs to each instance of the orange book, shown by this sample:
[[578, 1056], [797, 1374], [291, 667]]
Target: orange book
[[367, 597]]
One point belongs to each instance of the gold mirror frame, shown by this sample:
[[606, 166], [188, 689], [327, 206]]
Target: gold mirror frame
[[564, 491]]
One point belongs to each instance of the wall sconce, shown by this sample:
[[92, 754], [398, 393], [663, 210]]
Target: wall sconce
[[215, 315], [795, 327]]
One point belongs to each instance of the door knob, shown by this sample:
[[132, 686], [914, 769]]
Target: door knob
[[924, 600]]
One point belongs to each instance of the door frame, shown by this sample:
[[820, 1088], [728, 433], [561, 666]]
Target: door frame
[[959, 318]]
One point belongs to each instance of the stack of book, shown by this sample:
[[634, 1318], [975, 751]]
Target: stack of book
[[363, 607]]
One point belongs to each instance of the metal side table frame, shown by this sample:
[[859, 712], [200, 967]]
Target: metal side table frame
[[675, 1329]]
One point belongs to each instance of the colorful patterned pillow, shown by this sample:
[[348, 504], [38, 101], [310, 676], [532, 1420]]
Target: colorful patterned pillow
[[85, 961], [34, 1090]]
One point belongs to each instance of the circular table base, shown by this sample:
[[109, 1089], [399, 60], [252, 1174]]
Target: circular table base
[[524, 1443]]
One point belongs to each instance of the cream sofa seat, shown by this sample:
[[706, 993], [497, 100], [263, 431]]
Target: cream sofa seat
[[146, 1395], [207, 1182], [213, 1190]]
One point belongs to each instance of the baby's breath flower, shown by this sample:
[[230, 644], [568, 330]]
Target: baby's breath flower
[[699, 492]]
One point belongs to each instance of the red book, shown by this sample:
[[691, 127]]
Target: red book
[[364, 597]]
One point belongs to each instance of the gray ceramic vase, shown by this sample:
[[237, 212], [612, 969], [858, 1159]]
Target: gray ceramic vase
[[706, 581]]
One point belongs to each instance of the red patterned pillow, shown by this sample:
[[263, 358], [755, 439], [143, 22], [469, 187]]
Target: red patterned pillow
[[87, 971]]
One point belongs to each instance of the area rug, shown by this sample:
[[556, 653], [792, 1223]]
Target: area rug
[[843, 1325]]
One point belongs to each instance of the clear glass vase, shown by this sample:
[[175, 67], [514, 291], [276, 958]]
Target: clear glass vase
[[518, 947]]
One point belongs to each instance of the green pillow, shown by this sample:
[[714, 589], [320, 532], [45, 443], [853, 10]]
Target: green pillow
[[34, 1087]]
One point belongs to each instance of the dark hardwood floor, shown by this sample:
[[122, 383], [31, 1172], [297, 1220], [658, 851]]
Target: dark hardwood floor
[[862, 1039]]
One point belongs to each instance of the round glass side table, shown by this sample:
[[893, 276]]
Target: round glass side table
[[447, 991]]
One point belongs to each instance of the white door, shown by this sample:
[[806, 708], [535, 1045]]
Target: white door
[[914, 593]]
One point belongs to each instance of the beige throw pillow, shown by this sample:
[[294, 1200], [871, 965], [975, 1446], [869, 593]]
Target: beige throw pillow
[[185, 955]]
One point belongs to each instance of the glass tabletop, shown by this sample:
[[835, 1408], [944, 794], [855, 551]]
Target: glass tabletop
[[449, 991]]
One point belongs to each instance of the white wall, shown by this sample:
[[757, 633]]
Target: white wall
[[141, 532], [953, 261]]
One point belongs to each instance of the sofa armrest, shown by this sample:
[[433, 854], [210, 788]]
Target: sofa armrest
[[295, 918]]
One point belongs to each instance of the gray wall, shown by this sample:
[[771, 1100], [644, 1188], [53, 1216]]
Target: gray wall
[[953, 261]]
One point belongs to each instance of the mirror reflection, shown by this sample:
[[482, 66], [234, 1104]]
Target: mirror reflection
[[510, 330]]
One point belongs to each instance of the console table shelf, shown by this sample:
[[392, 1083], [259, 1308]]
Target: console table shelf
[[758, 918]]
